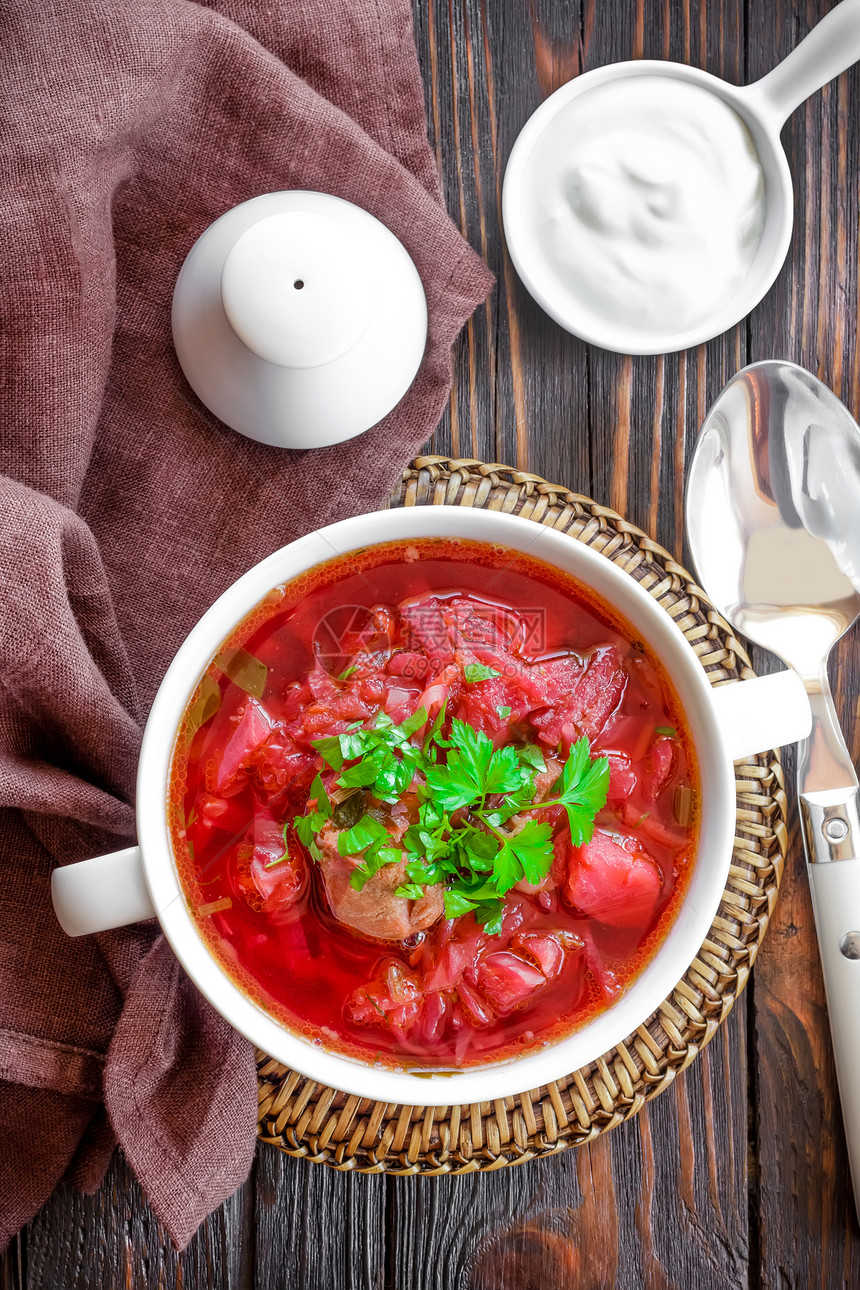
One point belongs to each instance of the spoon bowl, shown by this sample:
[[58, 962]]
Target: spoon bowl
[[773, 497], [776, 473]]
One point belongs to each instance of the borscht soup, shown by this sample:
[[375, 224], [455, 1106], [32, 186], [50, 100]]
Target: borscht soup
[[433, 804]]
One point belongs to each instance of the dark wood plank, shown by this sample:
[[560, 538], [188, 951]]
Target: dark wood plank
[[316, 1229], [113, 1239], [12, 1264], [808, 1229], [514, 373]]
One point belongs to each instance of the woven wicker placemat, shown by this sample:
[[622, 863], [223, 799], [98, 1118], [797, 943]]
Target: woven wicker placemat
[[346, 1132]]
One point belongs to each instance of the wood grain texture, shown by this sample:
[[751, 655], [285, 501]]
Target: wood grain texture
[[737, 1175]]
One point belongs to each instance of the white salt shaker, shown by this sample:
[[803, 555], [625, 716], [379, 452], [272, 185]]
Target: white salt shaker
[[299, 319]]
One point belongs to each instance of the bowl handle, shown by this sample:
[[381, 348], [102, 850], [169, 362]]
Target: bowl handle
[[107, 891], [764, 712], [830, 47]]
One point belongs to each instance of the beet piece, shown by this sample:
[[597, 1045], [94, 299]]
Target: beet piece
[[659, 764], [622, 777], [594, 698], [613, 880], [253, 729], [272, 889], [546, 950], [427, 628], [506, 980]]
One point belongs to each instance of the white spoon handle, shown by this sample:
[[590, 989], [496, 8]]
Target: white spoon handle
[[830, 47], [836, 900]]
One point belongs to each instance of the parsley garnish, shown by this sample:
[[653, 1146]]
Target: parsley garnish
[[473, 672], [468, 792]]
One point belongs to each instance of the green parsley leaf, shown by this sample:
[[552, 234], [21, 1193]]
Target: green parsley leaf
[[472, 751], [410, 891], [362, 774], [507, 869], [504, 773], [351, 842], [436, 730], [531, 755], [329, 750], [307, 826], [473, 672], [457, 904], [490, 914], [484, 847], [318, 794], [533, 849], [666, 730], [418, 719], [584, 786], [347, 672]]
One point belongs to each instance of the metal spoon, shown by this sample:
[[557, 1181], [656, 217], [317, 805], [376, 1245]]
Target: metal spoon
[[773, 518]]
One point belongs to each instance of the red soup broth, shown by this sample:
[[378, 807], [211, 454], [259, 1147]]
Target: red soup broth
[[244, 760]]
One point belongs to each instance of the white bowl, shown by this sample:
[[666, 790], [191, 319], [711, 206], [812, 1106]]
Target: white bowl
[[764, 122], [725, 723]]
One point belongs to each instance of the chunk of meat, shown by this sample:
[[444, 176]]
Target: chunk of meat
[[545, 779], [613, 880], [375, 911], [585, 710]]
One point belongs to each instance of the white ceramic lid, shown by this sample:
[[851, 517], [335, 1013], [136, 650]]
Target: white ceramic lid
[[299, 319]]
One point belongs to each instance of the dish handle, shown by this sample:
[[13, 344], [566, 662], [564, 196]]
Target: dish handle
[[764, 712], [107, 891], [831, 47]]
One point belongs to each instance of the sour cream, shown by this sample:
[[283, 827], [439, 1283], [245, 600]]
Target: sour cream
[[646, 200]]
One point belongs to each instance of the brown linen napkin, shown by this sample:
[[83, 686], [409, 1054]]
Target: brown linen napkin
[[125, 508]]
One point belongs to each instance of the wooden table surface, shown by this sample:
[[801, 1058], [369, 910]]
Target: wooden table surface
[[737, 1175]]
